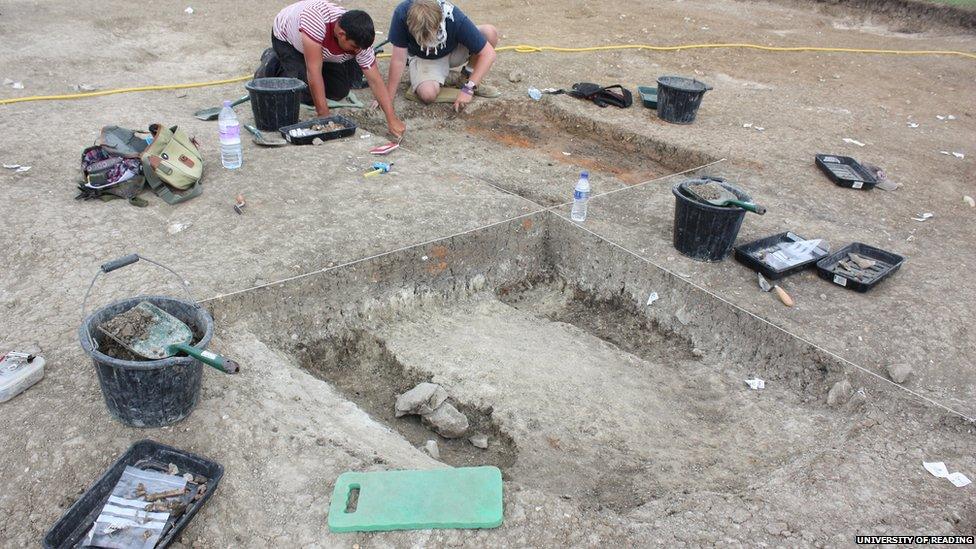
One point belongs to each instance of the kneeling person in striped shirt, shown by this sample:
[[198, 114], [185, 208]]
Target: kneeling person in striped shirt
[[326, 47]]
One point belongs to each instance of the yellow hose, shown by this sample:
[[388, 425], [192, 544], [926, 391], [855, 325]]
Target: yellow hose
[[524, 48], [123, 90]]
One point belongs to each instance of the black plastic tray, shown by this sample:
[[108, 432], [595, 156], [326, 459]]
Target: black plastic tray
[[747, 254], [846, 172], [76, 522], [349, 128], [888, 263]]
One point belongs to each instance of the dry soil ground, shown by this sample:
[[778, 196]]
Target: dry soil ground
[[284, 435]]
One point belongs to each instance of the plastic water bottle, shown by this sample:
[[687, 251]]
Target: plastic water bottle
[[580, 197], [230, 138]]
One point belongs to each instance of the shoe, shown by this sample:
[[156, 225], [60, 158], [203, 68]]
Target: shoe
[[456, 79], [266, 57], [483, 90], [486, 91]]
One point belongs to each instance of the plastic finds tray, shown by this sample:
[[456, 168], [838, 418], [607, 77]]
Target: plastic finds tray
[[302, 133]]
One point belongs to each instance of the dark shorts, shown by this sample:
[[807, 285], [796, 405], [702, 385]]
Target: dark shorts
[[338, 77]]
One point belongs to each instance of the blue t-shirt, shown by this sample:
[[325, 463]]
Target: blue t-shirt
[[460, 30]]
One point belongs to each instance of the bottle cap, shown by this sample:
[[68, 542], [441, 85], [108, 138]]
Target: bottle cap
[[585, 174]]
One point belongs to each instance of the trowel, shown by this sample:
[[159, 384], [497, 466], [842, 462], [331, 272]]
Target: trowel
[[265, 140], [214, 112], [717, 195], [155, 334], [765, 286]]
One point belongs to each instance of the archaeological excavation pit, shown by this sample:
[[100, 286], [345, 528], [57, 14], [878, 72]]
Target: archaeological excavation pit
[[536, 150], [543, 336]]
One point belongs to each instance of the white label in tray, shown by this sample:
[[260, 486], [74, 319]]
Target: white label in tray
[[840, 280], [857, 185]]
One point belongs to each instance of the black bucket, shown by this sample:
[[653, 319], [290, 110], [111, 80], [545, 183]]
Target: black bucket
[[678, 98], [148, 393], [702, 231], [275, 101]]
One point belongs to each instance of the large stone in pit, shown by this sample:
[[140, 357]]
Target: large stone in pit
[[421, 400], [447, 421]]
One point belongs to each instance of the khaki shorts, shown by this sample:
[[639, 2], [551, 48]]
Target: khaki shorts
[[424, 70]]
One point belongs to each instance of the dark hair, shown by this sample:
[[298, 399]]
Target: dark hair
[[359, 28]]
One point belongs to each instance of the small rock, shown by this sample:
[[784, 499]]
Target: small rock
[[899, 373], [172, 469], [479, 440], [776, 528], [188, 477], [969, 200], [17, 85], [421, 400], [516, 75], [839, 393], [740, 515], [823, 297], [447, 421], [431, 448], [477, 283], [321, 441], [697, 353]]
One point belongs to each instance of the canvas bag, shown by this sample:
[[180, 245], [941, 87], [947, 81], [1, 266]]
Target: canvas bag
[[172, 164]]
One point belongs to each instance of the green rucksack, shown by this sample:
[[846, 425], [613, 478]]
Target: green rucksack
[[123, 160], [172, 164]]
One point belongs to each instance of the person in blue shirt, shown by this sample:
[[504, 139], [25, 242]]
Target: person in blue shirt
[[438, 37]]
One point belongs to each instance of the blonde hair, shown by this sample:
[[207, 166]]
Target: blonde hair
[[424, 21]]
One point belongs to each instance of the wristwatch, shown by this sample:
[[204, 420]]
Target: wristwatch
[[469, 88]]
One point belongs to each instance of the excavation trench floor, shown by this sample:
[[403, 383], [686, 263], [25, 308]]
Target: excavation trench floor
[[592, 421]]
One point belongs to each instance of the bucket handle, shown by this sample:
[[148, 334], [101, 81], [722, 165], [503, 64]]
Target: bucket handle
[[116, 264]]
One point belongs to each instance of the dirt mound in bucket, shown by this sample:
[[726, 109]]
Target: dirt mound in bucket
[[132, 325]]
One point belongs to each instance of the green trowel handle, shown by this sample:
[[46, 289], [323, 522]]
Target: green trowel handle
[[207, 357], [244, 99], [749, 206]]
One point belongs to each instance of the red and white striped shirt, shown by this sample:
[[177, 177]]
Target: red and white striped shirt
[[317, 19]]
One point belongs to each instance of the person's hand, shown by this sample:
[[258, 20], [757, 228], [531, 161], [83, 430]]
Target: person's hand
[[397, 127], [462, 101]]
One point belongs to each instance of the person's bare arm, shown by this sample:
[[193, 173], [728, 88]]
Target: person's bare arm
[[398, 62], [375, 80], [313, 68], [484, 60]]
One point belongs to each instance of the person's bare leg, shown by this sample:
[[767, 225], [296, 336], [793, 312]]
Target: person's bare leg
[[427, 91]]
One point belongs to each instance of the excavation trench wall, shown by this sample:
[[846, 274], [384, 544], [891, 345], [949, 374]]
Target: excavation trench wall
[[331, 304]]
